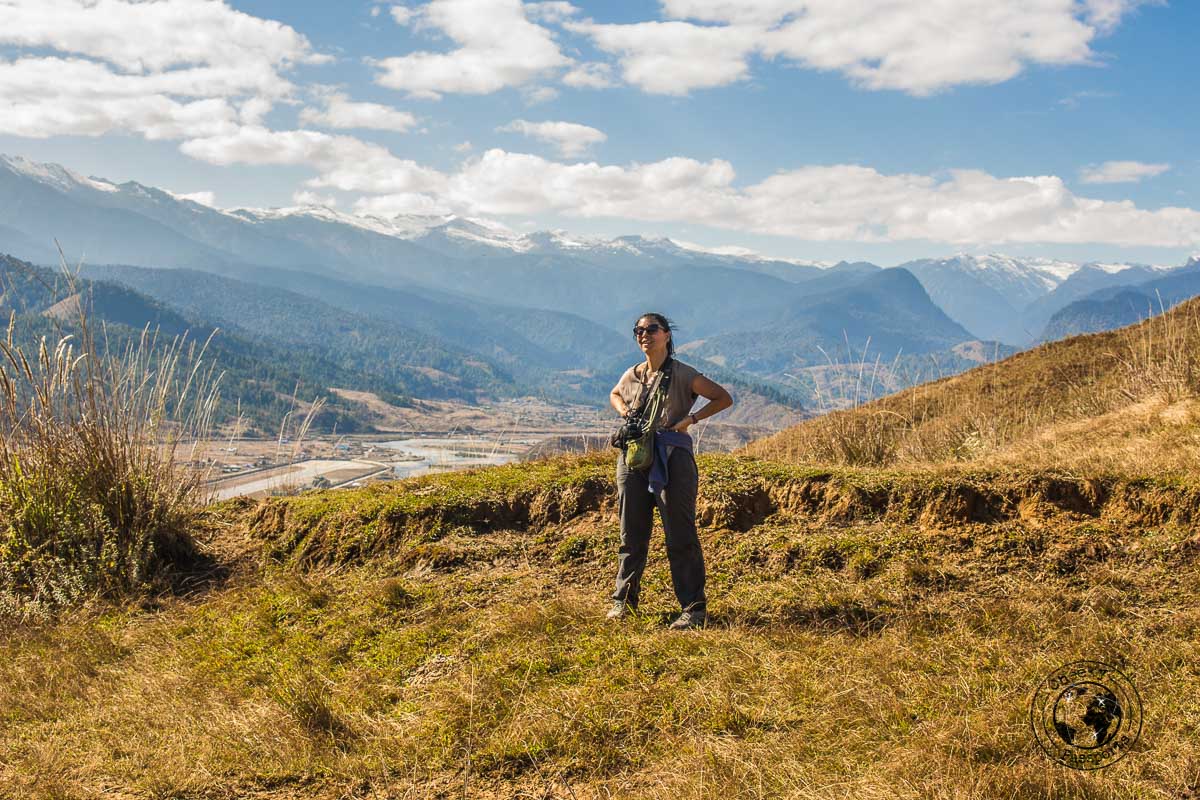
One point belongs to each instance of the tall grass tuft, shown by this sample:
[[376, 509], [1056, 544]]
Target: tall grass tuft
[[1159, 356], [92, 499]]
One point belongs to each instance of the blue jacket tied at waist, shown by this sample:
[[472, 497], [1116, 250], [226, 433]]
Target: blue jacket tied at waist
[[664, 442]]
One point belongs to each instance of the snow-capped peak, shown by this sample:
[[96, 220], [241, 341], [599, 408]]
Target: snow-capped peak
[[408, 226], [401, 227], [1047, 271], [1115, 267], [746, 254], [560, 239], [477, 231], [731, 250], [54, 175]]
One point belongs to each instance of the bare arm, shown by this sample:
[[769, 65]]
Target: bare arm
[[617, 402], [718, 401]]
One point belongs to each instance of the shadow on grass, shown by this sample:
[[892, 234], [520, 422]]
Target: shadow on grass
[[845, 616], [850, 617], [202, 574], [185, 569]]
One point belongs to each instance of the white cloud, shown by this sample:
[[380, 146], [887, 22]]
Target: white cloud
[[341, 112], [536, 95], [463, 147], [252, 111], [590, 75], [1107, 14], [154, 36], [26, 78], [675, 57], [306, 198], [1121, 172], [401, 14], [136, 67], [498, 48], [393, 204], [552, 12], [916, 46], [342, 162], [1073, 100], [52, 96], [516, 183], [570, 138], [826, 203]]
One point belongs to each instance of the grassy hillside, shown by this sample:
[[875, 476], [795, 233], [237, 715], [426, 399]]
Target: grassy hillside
[[1121, 401], [873, 634]]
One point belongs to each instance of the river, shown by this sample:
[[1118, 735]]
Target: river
[[432, 454]]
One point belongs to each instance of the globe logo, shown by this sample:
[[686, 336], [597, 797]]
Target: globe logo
[[1086, 715]]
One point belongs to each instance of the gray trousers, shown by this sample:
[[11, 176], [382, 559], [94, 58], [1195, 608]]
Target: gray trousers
[[677, 509]]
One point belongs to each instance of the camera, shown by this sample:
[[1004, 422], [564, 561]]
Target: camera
[[632, 429]]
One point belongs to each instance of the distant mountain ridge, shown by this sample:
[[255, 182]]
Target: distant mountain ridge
[[1009, 299], [1116, 306], [280, 305], [243, 234], [1089, 278], [873, 334], [542, 306], [262, 380], [409, 247]]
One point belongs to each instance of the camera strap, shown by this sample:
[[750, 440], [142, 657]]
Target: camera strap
[[648, 390]]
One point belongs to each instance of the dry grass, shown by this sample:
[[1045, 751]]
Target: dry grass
[[1074, 404], [868, 643], [91, 499]]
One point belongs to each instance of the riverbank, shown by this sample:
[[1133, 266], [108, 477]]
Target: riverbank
[[262, 468]]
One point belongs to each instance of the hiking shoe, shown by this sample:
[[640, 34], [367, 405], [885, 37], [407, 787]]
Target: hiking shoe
[[689, 620], [621, 611]]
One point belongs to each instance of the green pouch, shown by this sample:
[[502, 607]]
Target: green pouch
[[639, 454]]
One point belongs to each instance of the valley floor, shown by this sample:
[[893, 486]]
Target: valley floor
[[873, 634]]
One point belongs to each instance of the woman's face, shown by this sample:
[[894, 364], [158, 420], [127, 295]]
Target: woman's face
[[650, 334]]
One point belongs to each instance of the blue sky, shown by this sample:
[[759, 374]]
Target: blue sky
[[821, 129]]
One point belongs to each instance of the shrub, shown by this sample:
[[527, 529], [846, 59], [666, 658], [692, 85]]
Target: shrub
[[92, 500]]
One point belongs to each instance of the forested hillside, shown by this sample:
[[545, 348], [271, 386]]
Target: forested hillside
[[265, 376]]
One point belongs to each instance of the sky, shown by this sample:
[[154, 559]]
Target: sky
[[881, 130]]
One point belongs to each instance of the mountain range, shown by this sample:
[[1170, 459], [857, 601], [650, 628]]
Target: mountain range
[[1116, 306], [260, 380], [547, 311]]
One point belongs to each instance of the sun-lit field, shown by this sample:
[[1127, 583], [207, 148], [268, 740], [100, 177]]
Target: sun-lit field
[[872, 634]]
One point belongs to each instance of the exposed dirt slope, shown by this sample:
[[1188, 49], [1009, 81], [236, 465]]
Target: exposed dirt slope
[[737, 494]]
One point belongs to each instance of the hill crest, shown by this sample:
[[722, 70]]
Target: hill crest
[[1107, 401]]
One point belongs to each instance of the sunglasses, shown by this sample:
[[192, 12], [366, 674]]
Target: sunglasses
[[651, 329]]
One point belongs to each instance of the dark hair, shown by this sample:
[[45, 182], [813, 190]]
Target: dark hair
[[666, 324]]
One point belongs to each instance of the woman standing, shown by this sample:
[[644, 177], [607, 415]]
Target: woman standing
[[670, 483]]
